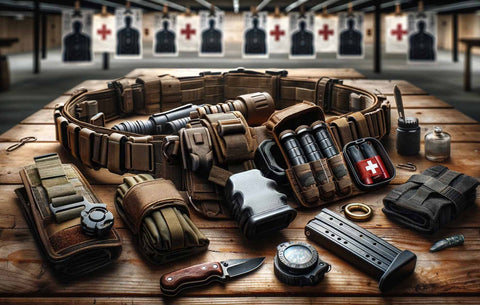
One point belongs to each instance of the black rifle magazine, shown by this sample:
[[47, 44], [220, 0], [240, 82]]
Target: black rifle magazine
[[361, 248]]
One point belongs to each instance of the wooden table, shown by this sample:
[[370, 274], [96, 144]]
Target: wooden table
[[450, 276], [467, 73]]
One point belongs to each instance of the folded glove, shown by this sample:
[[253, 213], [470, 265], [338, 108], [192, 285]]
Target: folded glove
[[430, 200], [56, 199], [158, 217]]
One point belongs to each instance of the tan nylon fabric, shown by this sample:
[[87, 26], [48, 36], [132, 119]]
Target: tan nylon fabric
[[159, 218]]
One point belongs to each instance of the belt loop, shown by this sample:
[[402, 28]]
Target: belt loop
[[72, 135], [116, 153], [139, 154], [85, 141]]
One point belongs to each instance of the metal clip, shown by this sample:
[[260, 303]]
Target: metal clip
[[21, 143], [408, 166]]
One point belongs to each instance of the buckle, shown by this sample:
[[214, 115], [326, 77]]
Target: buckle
[[204, 73], [282, 73], [230, 126], [242, 70]]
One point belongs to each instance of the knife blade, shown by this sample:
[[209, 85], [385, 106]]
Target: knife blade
[[203, 274], [399, 101]]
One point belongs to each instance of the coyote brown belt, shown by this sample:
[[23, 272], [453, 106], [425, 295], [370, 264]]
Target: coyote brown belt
[[80, 121]]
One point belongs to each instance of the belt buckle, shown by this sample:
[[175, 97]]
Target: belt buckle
[[204, 73], [282, 73]]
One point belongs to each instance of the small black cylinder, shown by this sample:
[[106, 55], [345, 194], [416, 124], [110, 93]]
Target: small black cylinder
[[308, 144], [408, 136], [324, 140], [292, 147]]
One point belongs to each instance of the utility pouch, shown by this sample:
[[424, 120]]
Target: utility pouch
[[255, 204], [428, 201], [158, 217], [71, 226], [315, 167], [213, 147]]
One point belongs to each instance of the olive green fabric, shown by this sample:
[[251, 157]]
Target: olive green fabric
[[165, 232]]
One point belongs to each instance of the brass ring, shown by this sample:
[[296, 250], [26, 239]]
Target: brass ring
[[367, 211]]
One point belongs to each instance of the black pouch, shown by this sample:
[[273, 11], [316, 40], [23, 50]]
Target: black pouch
[[430, 200]]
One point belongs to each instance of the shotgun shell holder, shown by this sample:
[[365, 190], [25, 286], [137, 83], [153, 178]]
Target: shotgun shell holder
[[363, 249], [255, 204]]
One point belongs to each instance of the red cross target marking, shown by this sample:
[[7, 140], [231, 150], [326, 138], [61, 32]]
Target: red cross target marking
[[399, 32], [104, 32], [188, 31], [325, 32], [277, 32]]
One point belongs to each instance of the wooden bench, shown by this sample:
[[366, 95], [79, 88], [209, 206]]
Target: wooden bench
[[449, 276]]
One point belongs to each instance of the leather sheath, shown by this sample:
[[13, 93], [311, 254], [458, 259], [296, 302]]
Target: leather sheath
[[428, 201], [359, 113], [62, 240], [158, 217]]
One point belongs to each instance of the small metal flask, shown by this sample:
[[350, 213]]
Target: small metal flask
[[437, 145]]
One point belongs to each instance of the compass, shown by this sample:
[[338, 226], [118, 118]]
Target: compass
[[298, 264]]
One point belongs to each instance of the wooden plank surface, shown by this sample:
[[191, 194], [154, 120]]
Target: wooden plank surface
[[450, 277], [314, 72], [385, 86]]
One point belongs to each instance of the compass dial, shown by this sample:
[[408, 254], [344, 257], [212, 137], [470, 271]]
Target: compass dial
[[298, 254]]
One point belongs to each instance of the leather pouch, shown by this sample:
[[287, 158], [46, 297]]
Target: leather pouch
[[158, 217], [65, 245], [428, 201], [316, 182]]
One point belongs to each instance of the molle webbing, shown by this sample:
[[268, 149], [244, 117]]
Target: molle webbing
[[120, 152]]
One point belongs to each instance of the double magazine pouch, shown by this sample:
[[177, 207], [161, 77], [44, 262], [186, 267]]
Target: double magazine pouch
[[158, 217], [73, 229], [428, 201], [315, 169]]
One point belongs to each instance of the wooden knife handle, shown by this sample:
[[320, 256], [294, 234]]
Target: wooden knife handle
[[172, 283]]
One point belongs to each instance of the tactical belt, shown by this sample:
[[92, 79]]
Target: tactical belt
[[80, 121]]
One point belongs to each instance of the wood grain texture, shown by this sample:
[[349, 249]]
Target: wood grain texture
[[451, 276], [59, 100], [342, 300], [385, 86], [23, 270], [314, 72]]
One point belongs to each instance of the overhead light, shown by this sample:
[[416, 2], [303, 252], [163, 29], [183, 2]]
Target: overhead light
[[295, 5], [236, 6], [262, 5]]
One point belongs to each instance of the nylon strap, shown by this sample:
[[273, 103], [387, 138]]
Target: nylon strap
[[60, 191]]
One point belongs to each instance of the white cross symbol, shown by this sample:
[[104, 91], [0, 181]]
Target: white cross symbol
[[371, 167]]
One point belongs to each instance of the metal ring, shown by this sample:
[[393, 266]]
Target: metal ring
[[367, 211]]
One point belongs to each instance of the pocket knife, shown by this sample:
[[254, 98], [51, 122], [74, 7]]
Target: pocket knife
[[174, 282]]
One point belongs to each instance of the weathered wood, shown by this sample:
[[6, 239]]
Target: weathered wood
[[385, 86], [42, 116], [418, 101], [90, 85], [23, 270], [245, 300], [59, 100], [315, 72], [43, 133], [12, 217], [438, 116]]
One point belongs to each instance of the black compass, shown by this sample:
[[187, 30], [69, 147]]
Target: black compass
[[298, 264]]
